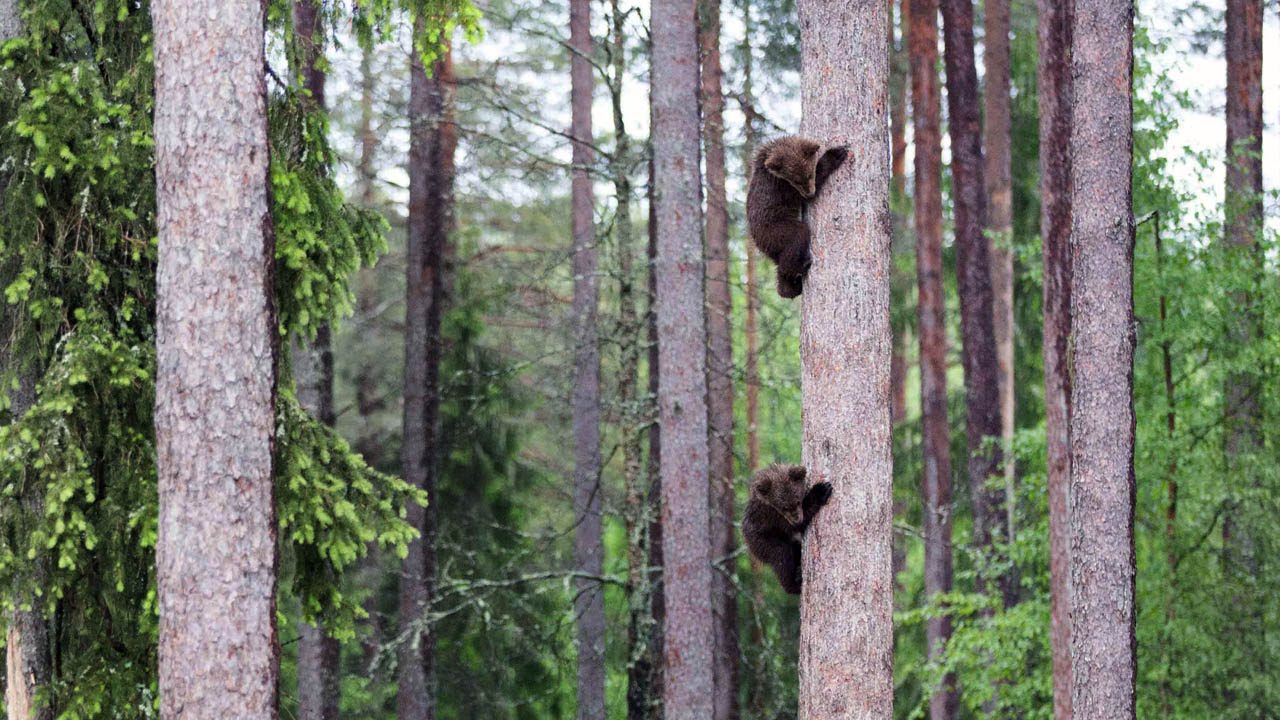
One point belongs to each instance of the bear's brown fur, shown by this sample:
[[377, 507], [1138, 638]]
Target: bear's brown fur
[[787, 173], [778, 513]]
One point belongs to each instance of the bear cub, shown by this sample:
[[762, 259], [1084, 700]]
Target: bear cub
[[786, 174], [778, 513]]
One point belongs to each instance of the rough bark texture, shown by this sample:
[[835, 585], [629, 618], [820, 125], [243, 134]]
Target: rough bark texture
[[658, 604], [682, 386], [751, 140], [28, 663], [997, 173], [319, 686], [1054, 79], [1103, 646], [1244, 216], [431, 144], [973, 270], [588, 547], [932, 326], [898, 92], [216, 363], [724, 533], [10, 20], [846, 624]]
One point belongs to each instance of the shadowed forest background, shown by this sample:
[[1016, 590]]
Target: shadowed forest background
[[492, 128]]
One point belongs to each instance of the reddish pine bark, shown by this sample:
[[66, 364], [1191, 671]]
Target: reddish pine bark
[[846, 623], [897, 203], [682, 385], [432, 140], [588, 533], [1000, 234], [973, 270], [658, 604], [1054, 79], [1244, 217], [216, 363], [318, 654], [1103, 645], [931, 319], [724, 596]]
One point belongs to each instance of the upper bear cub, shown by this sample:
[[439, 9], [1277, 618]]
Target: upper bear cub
[[785, 174], [778, 512]]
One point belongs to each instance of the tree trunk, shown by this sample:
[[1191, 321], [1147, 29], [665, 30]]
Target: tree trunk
[[216, 550], [898, 206], [724, 595], [1054, 80], [28, 663], [431, 143], [658, 604], [1103, 646], [682, 386], [973, 272], [319, 686], [750, 141], [1244, 217], [999, 188], [931, 319], [588, 543], [846, 609]]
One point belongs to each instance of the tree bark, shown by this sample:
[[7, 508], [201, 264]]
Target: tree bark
[[28, 662], [588, 542], [658, 604], [999, 188], [1053, 74], [898, 203], [682, 386], [1103, 645], [750, 141], [973, 271], [846, 623], [432, 140], [319, 685], [724, 596], [1244, 217], [932, 322], [216, 356]]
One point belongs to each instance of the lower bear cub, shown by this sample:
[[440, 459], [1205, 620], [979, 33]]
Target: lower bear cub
[[785, 174], [778, 513]]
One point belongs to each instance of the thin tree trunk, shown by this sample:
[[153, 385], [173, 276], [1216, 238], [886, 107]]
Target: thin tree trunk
[[1000, 233], [318, 654], [216, 550], [932, 321], [588, 543], [682, 387], [1103, 645], [1244, 216], [846, 609], [431, 143], [1054, 80], [656, 522], [898, 203], [973, 271], [724, 597]]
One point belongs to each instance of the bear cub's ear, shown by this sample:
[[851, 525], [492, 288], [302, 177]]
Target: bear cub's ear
[[764, 486], [797, 472]]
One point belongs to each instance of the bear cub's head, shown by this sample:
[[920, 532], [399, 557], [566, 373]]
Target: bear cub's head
[[803, 163], [781, 487]]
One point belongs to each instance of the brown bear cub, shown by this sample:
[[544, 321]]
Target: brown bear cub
[[786, 174], [778, 513]]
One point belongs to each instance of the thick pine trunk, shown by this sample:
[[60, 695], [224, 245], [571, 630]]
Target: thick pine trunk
[[932, 322], [216, 356], [318, 683], [1000, 233], [973, 271], [1054, 79], [1244, 216], [1103, 646], [432, 140], [588, 547], [682, 386], [724, 596], [846, 623]]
